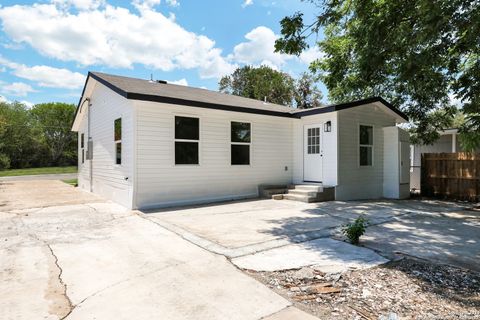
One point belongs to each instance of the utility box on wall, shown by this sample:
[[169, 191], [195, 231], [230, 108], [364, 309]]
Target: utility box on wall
[[396, 163]]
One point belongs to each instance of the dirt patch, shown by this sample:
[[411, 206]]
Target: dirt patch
[[406, 289]]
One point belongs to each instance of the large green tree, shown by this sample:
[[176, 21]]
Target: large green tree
[[53, 120], [259, 83], [20, 145], [275, 86], [419, 54], [38, 136]]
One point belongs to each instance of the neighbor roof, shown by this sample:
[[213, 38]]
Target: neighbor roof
[[147, 90]]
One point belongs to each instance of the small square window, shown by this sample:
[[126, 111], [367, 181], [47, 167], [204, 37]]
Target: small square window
[[186, 152], [118, 152], [118, 129], [240, 154], [187, 128]]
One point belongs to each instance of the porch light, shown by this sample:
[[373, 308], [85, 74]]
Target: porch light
[[327, 127]]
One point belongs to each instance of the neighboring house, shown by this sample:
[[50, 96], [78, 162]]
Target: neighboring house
[[447, 143], [151, 144]]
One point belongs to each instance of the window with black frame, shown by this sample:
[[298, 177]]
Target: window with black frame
[[241, 140], [82, 146], [366, 145], [187, 138], [118, 140]]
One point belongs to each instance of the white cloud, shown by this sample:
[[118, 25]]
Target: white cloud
[[113, 36], [311, 54], [4, 99], [17, 89], [259, 49], [46, 76], [173, 3], [80, 4], [181, 82], [247, 3]]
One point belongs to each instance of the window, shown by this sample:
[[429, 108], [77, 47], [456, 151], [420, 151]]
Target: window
[[240, 143], [366, 145], [187, 137], [313, 140], [82, 144], [117, 136]]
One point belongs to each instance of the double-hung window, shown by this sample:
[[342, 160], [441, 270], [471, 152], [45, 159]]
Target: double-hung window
[[187, 138], [366, 145], [118, 140], [82, 146], [241, 133]]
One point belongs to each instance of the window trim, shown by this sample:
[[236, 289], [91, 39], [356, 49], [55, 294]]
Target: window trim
[[184, 115], [115, 142], [82, 147], [371, 146], [250, 144]]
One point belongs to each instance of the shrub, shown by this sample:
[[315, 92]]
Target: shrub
[[4, 162], [354, 230]]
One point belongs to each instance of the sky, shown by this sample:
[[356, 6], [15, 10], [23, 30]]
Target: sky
[[47, 47]]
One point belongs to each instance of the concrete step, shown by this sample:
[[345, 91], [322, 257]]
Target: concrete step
[[267, 191], [307, 187], [296, 197], [303, 192]]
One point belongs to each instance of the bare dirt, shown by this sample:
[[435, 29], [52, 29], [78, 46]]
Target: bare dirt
[[405, 289]]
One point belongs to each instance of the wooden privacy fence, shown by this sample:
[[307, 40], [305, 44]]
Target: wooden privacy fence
[[451, 176]]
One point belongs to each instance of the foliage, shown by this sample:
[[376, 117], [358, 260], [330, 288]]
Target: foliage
[[354, 230], [36, 137], [53, 120], [420, 55], [307, 94], [263, 82]]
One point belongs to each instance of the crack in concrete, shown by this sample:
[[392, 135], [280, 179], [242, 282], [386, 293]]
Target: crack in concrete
[[60, 280]]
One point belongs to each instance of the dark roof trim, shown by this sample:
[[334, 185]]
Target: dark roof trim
[[200, 104], [343, 106]]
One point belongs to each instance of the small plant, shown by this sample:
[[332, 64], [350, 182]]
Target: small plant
[[354, 230]]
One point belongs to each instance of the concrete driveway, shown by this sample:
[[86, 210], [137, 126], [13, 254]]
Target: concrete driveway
[[69, 255], [440, 231]]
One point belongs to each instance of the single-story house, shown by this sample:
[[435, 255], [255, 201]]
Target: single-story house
[[146, 144]]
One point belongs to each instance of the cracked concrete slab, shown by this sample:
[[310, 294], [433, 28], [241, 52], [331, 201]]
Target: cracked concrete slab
[[327, 255], [99, 260]]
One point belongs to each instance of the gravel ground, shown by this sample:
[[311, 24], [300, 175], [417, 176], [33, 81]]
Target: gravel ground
[[404, 289]]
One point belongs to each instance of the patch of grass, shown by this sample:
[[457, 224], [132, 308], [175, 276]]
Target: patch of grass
[[72, 182], [37, 171]]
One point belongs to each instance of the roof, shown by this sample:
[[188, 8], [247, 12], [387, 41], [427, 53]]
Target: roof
[[147, 90]]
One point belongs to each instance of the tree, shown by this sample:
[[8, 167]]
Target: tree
[[307, 95], [274, 86], [53, 120], [419, 54], [259, 83]]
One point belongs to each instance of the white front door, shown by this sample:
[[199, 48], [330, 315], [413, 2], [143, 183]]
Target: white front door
[[312, 153]]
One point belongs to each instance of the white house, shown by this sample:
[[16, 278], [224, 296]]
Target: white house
[[151, 144]]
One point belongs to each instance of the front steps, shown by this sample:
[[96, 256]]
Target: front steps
[[300, 192]]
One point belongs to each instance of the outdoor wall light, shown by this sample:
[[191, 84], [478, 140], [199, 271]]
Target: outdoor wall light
[[327, 127]]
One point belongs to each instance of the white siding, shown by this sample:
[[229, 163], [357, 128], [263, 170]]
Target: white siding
[[329, 147], [161, 183], [396, 163], [109, 179], [355, 181]]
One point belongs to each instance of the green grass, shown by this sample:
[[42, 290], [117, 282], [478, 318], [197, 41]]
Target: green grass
[[73, 182], [36, 171]]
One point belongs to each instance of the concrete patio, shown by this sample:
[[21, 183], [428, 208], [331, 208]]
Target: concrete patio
[[441, 231]]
